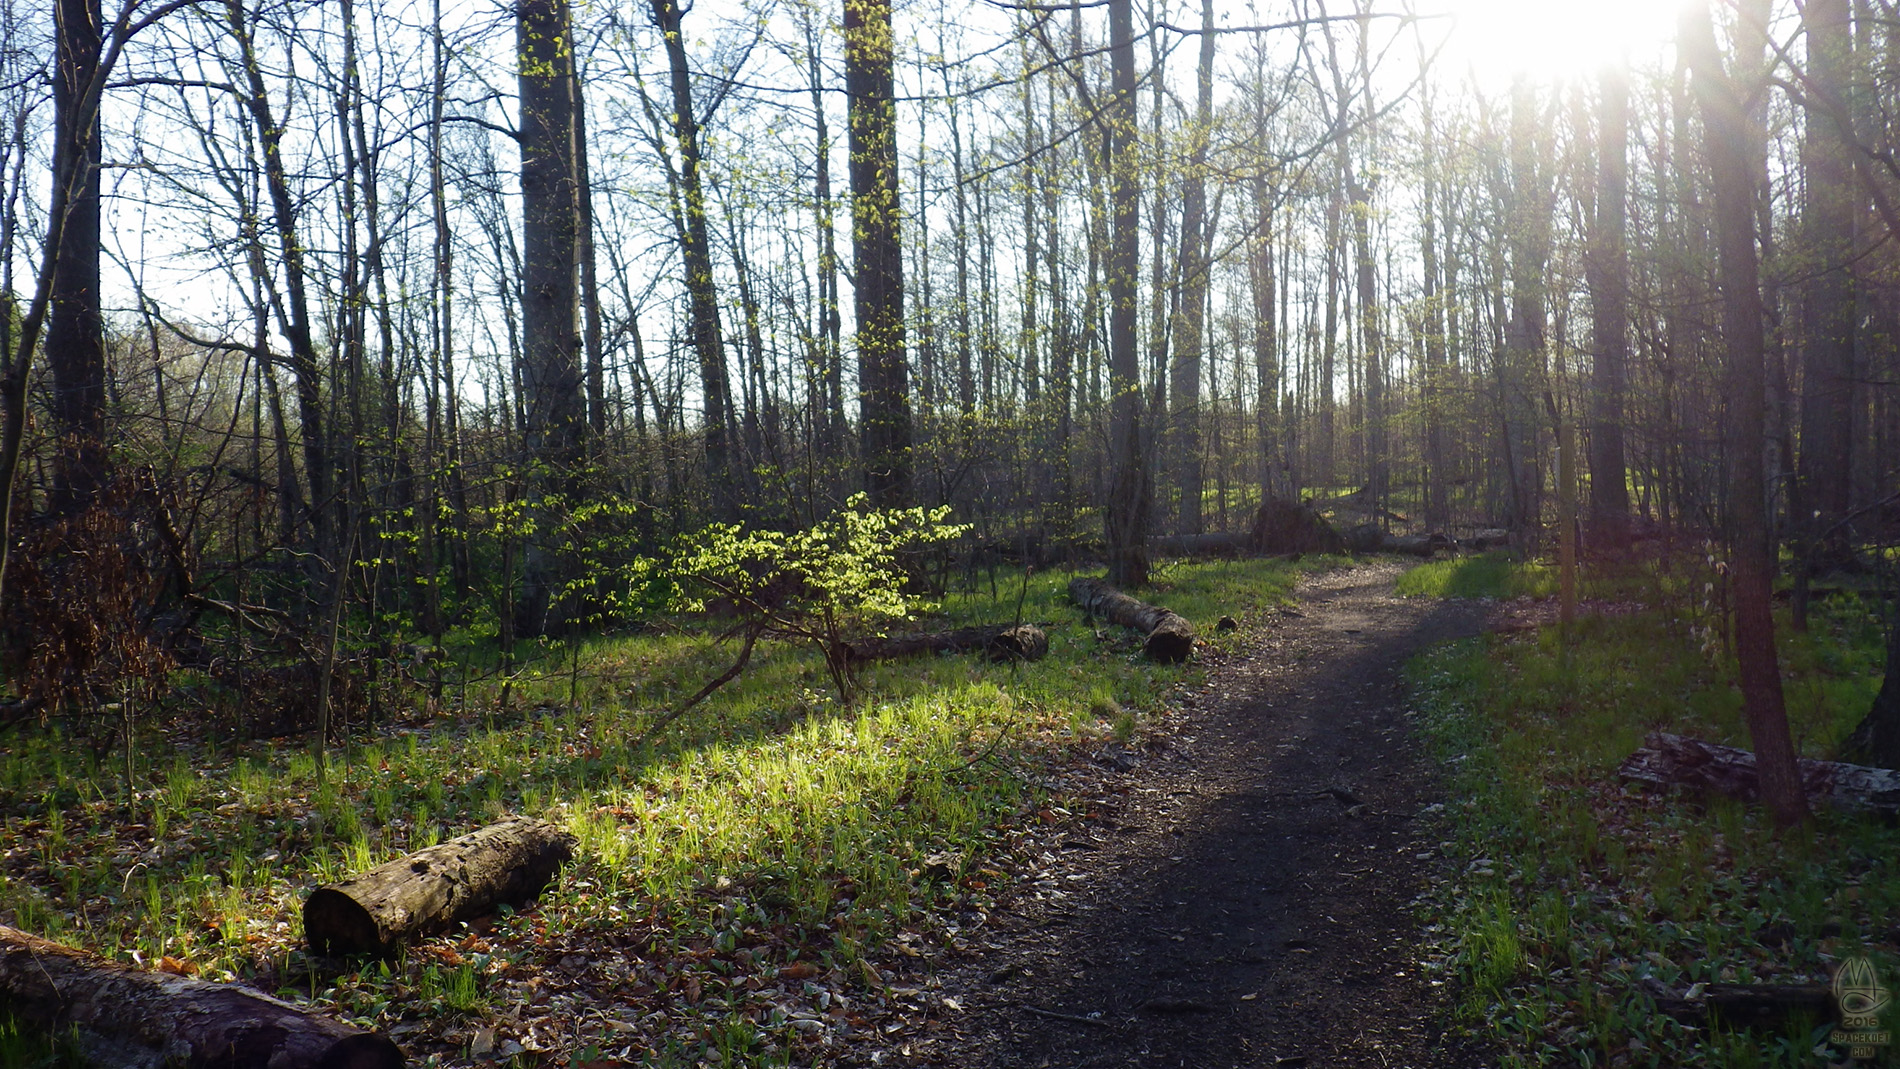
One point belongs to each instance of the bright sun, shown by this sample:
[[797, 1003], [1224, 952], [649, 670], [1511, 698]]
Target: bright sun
[[1554, 39]]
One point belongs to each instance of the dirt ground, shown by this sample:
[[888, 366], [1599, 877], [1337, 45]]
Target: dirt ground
[[1239, 891]]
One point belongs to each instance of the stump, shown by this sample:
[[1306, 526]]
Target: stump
[[127, 1017], [1281, 526], [998, 642], [1676, 761], [429, 890], [1166, 637]]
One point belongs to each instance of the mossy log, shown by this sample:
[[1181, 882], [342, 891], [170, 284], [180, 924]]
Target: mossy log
[[127, 1017], [998, 642], [429, 890], [1676, 761], [1166, 636]]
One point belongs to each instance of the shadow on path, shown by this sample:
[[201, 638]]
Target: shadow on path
[[1245, 899]]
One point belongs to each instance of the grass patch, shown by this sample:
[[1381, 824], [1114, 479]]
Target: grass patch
[[1486, 575], [741, 872], [1581, 903]]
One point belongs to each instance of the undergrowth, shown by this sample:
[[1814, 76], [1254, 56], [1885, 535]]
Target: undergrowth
[[747, 864], [1581, 903]]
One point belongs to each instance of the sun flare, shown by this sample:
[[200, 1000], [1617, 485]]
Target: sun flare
[[1554, 39]]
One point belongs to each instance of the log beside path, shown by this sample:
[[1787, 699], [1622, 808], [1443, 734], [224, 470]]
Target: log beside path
[[1166, 636], [1677, 761], [127, 1017], [429, 890], [998, 642]]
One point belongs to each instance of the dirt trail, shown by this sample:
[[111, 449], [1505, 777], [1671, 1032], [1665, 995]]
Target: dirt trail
[[1231, 909]]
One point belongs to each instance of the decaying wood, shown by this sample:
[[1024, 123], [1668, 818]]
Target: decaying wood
[[1214, 544], [1166, 637], [1676, 761], [429, 890], [127, 1017], [998, 642], [1282, 526], [1759, 1006]]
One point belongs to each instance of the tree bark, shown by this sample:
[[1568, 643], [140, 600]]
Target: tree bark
[[883, 374], [130, 1018], [429, 890], [1166, 637], [1876, 741], [1190, 326], [551, 374], [1824, 468], [1674, 761], [75, 325], [696, 250], [1727, 137], [1608, 275], [1126, 527], [998, 642]]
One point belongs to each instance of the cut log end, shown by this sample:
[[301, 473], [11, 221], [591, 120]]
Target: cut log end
[[374, 912], [1166, 637]]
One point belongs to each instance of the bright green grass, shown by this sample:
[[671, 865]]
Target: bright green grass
[[1590, 891], [1488, 575], [816, 816]]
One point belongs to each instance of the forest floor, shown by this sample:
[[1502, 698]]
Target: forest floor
[[1239, 888]]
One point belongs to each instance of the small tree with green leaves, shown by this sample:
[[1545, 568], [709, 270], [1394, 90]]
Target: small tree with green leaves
[[843, 576]]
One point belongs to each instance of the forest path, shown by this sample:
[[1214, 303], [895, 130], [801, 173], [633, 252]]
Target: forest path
[[1221, 907]]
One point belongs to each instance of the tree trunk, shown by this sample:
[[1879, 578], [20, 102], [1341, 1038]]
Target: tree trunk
[[1824, 469], [553, 400], [1190, 328], [1126, 527], [131, 1019], [1608, 275], [1726, 131], [696, 250], [1166, 637], [1876, 741], [883, 374], [75, 325], [429, 890], [998, 642]]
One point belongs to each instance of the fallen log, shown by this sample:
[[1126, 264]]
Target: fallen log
[[1166, 637], [1676, 761], [1215, 544], [429, 890], [998, 642], [132, 1018], [1767, 1007]]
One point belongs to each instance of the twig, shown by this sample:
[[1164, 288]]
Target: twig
[[745, 656], [1053, 1015], [979, 758]]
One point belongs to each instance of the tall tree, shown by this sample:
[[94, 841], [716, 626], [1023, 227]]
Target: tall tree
[[1191, 314], [553, 402], [1607, 266], [883, 372], [1726, 145], [1824, 469], [75, 326], [1128, 490], [696, 249]]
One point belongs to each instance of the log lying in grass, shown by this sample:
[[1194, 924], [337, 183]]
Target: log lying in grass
[[1676, 761], [1166, 637], [129, 1017], [1214, 544], [998, 642], [1758, 1006], [429, 890]]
